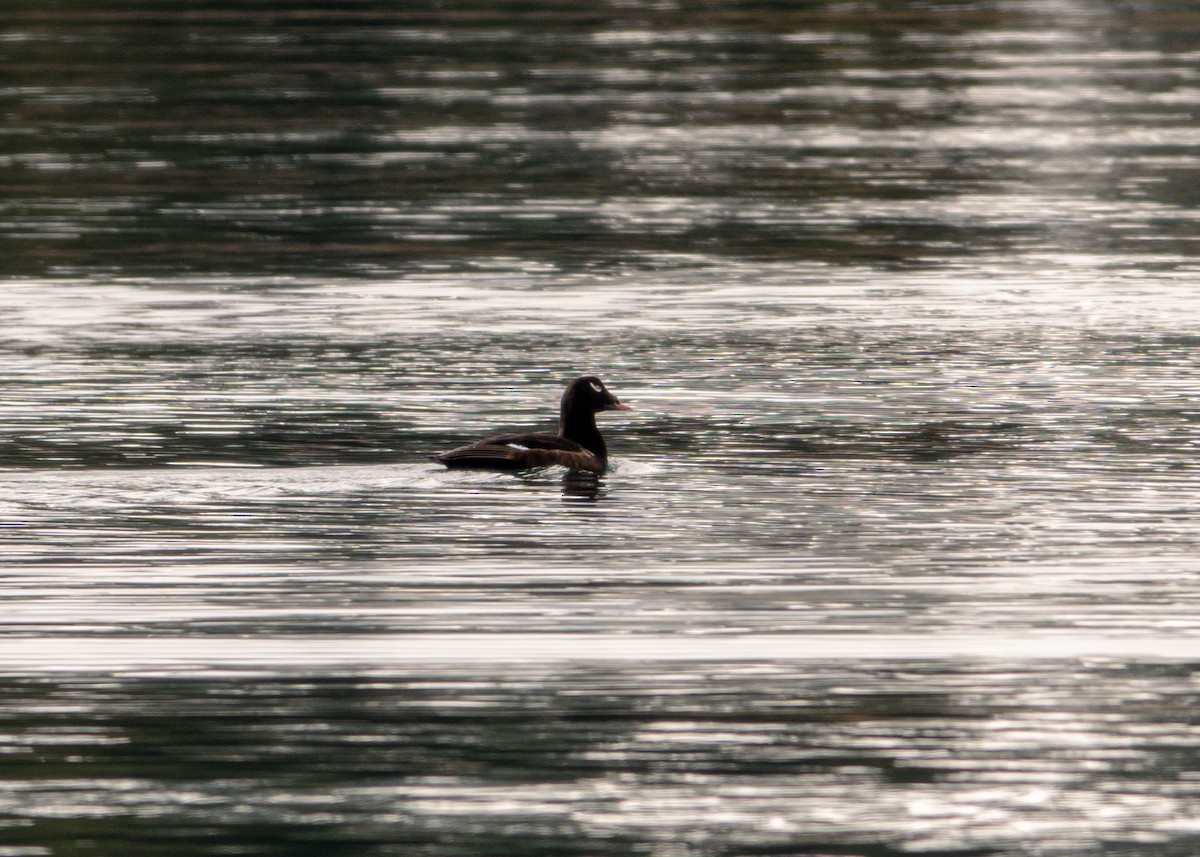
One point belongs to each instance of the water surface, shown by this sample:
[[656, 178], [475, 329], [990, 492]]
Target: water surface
[[898, 549]]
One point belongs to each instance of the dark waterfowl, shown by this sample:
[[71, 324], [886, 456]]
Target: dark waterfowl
[[577, 445]]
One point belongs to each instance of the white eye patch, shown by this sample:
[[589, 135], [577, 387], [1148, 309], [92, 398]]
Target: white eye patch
[[595, 386], [518, 446]]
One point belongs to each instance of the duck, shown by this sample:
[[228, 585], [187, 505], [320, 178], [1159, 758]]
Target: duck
[[578, 444]]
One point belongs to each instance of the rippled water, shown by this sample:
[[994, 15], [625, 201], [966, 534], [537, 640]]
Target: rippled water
[[898, 550]]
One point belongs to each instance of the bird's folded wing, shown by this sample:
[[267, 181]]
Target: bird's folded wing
[[516, 452]]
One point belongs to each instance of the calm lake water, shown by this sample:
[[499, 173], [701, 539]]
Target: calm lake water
[[899, 552]]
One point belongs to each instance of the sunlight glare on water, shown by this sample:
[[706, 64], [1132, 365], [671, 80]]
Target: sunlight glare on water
[[897, 550]]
